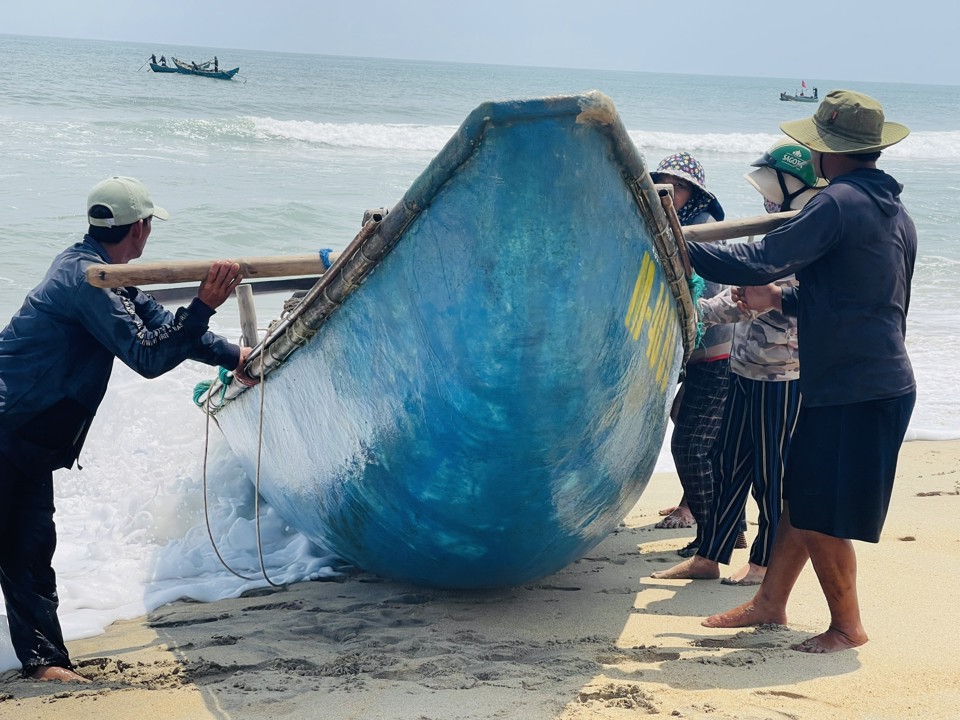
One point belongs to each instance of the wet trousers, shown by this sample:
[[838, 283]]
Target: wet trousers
[[28, 539], [695, 434], [758, 423]]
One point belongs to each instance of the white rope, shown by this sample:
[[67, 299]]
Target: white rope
[[256, 501]]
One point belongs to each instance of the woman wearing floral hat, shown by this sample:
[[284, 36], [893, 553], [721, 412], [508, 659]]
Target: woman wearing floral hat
[[700, 400]]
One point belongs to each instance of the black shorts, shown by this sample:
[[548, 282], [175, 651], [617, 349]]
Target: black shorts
[[843, 459]]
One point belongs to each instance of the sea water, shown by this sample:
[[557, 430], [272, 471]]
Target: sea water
[[284, 159]]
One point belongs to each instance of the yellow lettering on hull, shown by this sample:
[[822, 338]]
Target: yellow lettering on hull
[[651, 314]]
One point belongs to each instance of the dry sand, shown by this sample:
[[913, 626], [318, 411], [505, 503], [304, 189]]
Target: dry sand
[[599, 639]]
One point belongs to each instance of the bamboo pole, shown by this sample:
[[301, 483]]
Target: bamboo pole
[[171, 272], [741, 227], [248, 315], [111, 276]]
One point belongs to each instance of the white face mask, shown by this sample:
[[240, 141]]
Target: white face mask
[[770, 206]]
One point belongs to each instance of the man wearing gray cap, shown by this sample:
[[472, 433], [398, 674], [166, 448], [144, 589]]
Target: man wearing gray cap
[[56, 356], [853, 249]]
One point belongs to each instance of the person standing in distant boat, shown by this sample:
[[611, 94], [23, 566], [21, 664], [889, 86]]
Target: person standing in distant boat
[[56, 356], [216, 67], [698, 407], [153, 58], [853, 249], [163, 61]]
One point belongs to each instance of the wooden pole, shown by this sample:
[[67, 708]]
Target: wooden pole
[[111, 276], [741, 227], [248, 315]]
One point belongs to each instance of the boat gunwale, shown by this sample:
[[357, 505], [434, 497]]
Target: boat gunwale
[[379, 236]]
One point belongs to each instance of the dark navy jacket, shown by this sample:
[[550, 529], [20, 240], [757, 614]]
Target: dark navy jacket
[[57, 353], [853, 249]]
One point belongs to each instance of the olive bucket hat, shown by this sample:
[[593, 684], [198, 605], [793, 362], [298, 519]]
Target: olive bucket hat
[[846, 122]]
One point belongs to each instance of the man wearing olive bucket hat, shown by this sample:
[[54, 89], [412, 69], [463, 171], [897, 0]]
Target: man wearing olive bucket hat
[[852, 248]]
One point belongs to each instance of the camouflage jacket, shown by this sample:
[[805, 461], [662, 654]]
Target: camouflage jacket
[[764, 345]]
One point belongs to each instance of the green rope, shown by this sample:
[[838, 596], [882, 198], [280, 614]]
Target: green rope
[[203, 387], [697, 286]]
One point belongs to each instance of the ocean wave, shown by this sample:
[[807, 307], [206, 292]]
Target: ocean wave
[[921, 434], [920, 145], [941, 147], [357, 135]]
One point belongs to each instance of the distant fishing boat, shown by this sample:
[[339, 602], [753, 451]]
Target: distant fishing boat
[[158, 68], [476, 392], [801, 96], [203, 69]]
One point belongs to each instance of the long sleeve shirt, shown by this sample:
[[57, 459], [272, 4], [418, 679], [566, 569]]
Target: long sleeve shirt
[[764, 345], [57, 352], [853, 249]]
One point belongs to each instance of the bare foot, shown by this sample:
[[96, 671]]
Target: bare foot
[[668, 510], [749, 574], [833, 640], [746, 615], [681, 517], [696, 568], [52, 672]]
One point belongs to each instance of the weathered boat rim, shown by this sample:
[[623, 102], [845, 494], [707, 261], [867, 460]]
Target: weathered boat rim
[[380, 234]]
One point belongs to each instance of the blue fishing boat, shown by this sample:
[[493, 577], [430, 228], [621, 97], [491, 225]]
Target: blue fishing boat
[[203, 70], [475, 393], [158, 68]]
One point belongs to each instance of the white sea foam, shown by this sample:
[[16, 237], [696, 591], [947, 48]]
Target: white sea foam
[[357, 135], [919, 145], [132, 533]]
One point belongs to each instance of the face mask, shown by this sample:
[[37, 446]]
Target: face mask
[[771, 207]]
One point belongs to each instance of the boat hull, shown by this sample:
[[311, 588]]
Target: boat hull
[[184, 69], [490, 402], [797, 98]]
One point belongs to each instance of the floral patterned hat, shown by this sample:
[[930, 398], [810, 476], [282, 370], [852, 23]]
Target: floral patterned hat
[[684, 166]]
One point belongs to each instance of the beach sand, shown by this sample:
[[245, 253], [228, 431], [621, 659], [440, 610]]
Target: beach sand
[[600, 639]]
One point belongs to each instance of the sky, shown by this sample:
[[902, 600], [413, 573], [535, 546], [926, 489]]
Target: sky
[[865, 40]]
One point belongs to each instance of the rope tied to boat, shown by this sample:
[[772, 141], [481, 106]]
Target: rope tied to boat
[[697, 287], [204, 390]]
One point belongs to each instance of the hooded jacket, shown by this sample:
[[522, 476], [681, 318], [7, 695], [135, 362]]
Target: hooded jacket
[[57, 353], [853, 249]]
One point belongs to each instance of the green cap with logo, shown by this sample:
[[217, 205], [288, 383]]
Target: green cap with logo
[[126, 198]]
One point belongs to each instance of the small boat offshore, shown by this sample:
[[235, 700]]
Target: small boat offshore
[[203, 70], [476, 392], [801, 95]]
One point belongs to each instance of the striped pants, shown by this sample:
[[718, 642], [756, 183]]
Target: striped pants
[[758, 423], [695, 433]]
